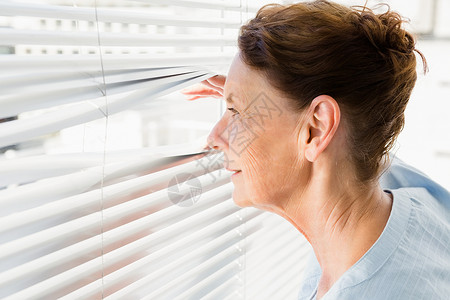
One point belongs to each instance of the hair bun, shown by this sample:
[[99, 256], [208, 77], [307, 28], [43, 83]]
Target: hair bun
[[384, 31]]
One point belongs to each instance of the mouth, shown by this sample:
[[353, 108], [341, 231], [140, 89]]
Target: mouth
[[235, 171]]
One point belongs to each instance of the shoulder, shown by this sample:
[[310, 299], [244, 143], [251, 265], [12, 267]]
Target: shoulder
[[430, 202], [411, 259], [419, 267], [394, 287], [400, 175]]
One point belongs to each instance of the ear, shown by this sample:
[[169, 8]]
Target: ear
[[322, 123]]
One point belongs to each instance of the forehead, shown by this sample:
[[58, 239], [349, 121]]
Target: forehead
[[246, 87], [241, 81], [238, 69]]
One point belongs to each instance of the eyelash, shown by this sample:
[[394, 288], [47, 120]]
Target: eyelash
[[234, 111]]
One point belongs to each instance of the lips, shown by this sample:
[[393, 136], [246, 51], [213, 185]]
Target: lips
[[234, 171]]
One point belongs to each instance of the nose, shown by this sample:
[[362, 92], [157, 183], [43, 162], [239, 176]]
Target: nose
[[218, 137]]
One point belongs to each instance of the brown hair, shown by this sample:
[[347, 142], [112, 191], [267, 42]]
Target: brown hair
[[364, 60]]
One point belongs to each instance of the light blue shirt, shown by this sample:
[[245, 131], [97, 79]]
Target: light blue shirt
[[411, 258]]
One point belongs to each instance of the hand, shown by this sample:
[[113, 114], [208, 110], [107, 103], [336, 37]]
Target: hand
[[211, 87]]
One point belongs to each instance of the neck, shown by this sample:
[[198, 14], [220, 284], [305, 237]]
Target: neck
[[340, 219]]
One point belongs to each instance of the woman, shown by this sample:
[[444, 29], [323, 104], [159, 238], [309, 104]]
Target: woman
[[316, 98]]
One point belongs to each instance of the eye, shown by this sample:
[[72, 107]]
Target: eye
[[235, 112]]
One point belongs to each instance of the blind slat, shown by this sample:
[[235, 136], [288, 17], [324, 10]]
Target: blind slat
[[274, 268], [183, 250], [28, 169], [27, 214], [53, 264], [202, 271], [114, 281], [108, 15], [227, 288], [221, 5], [65, 283], [64, 259], [71, 278], [85, 63], [41, 37], [32, 81], [199, 290], [153, 284], [25, 129], [81, 182], [280, 272], [58, 236], [281, 284], [43, 96]]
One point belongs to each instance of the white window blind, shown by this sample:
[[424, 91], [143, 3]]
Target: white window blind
[[104, 193]]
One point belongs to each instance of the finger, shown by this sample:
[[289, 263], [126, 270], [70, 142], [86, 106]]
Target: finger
[[201, 91], [192, 97], [192, 88], [213, 87], [216, 82], [197, 90]]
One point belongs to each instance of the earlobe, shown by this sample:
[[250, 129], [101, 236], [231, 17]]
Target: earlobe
[[310, 154]]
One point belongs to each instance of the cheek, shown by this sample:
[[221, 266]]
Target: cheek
[[242, 134], [267, 160], [268, 178], [257, 184]]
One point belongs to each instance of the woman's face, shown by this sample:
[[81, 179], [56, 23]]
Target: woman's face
[[259, 134]]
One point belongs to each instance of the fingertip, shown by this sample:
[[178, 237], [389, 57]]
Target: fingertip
[[189, 92]]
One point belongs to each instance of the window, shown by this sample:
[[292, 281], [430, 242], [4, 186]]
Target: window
[[94, 138]]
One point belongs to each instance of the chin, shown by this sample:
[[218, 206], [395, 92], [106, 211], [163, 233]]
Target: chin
[[241, 201]]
